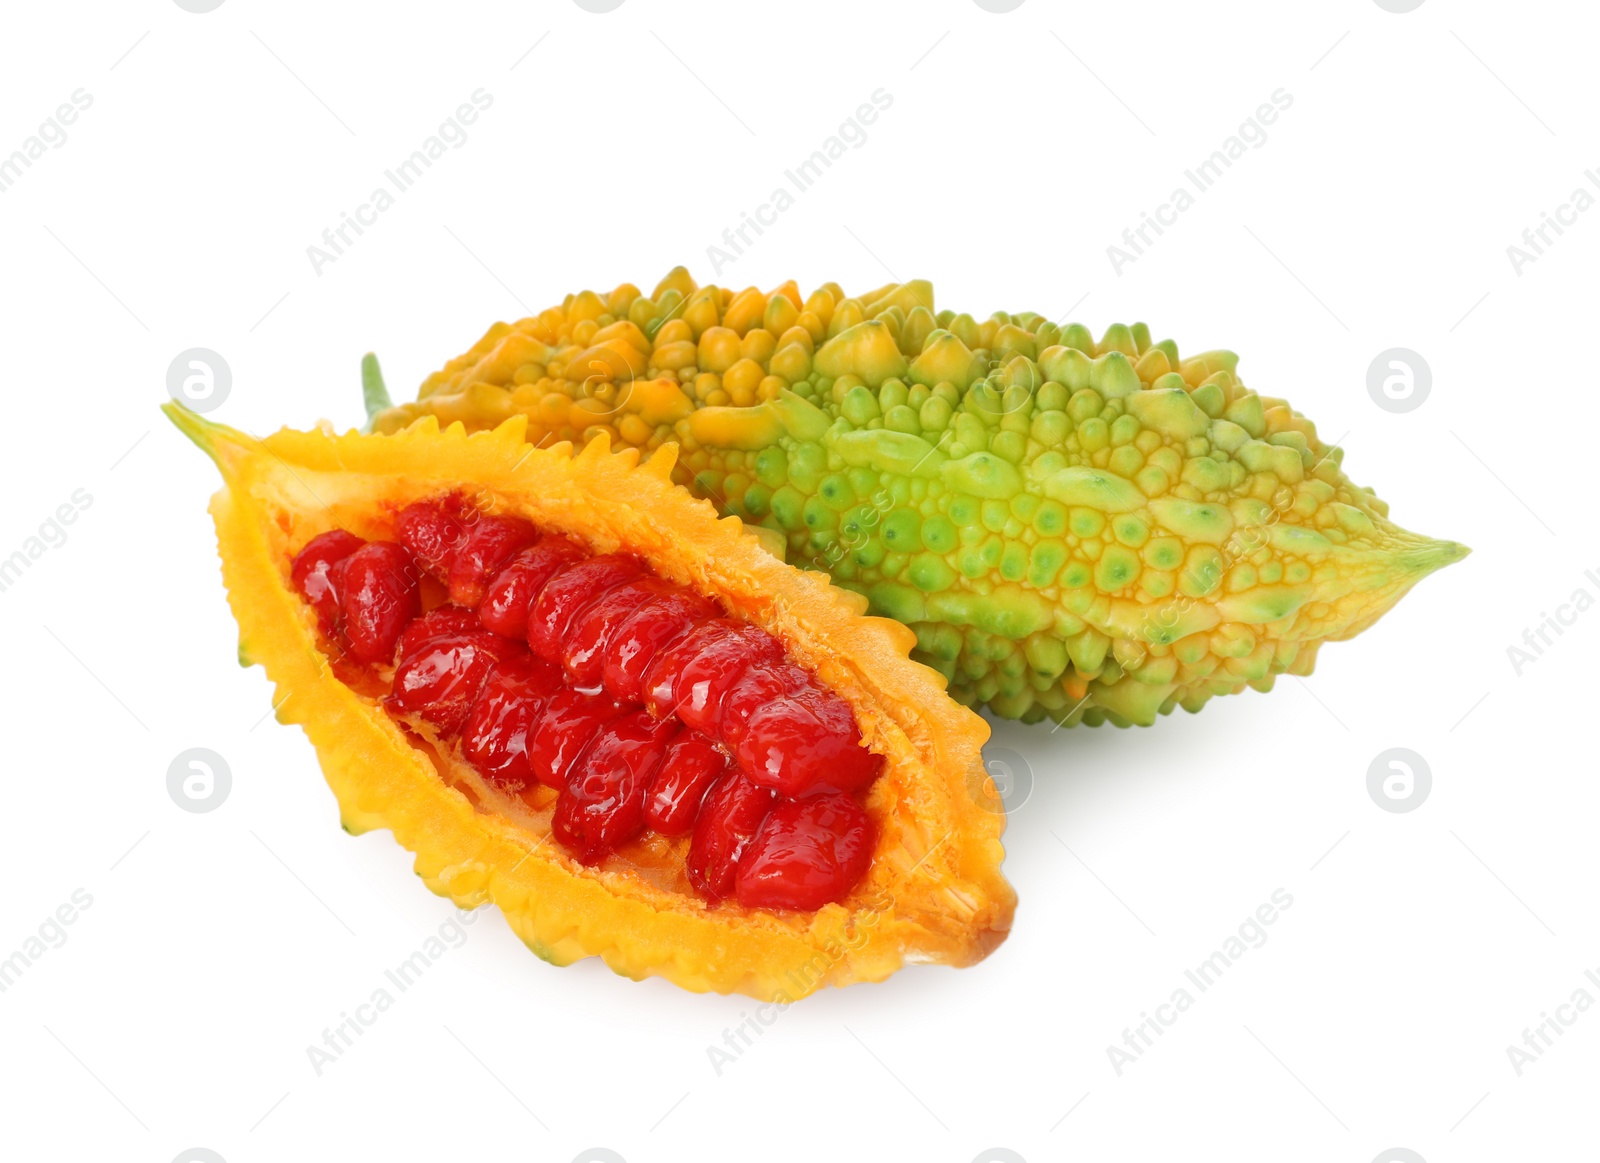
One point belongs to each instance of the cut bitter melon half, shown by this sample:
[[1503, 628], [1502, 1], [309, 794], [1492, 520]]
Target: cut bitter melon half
[[1078, 529], [571, 689]]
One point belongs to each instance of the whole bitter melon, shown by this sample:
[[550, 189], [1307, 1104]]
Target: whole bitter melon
[[1078, 530]]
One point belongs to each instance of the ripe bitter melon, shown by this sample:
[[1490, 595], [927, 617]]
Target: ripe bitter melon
[[489, 646], [1075, 529]]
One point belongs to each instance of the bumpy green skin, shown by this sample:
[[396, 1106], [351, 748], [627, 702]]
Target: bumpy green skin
[[1058, 536], [1076, 530]]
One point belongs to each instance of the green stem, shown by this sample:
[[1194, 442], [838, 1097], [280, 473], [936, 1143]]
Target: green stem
[[373, 390]]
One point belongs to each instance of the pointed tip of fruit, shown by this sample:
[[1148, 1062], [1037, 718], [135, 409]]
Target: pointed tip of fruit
[[1403, 567], [190, 424], [1432, 555], [222, 444]]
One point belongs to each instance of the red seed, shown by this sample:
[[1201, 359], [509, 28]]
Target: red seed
[[760, 685], [440, 679], [336, 576], [433, 530], [311, 573], [737, 747], [510, 592], [602, 805], [566, 726], [379, 597], [436, 623], [808, 853], [703, 680], [488, 545], [806, 743], [583, 651], [568, 594], [634, 644], [692, 763], [729, 819], [497, 736], [660, 682]]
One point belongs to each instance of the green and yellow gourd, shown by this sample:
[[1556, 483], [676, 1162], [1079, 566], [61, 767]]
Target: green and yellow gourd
[[1078, 530]]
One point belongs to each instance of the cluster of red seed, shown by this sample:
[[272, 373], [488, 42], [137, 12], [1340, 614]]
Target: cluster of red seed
[[636, 699]]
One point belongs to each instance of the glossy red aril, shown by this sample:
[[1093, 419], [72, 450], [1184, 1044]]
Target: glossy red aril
[[379, 597], [312, 573], [804, 743], [436, 623], [439, 680], [702, 681], [433, 530], [568, 594], [808, 853], [602, 805], [510, 592], [583, 652], [760, 686], [498, 736], [568, 722], [660, 682], [534, 674], [691, 764], [729, 819], [631, 647], [487, 545]]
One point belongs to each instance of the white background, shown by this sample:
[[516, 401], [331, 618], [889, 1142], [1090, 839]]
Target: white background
[[178, 1011]]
